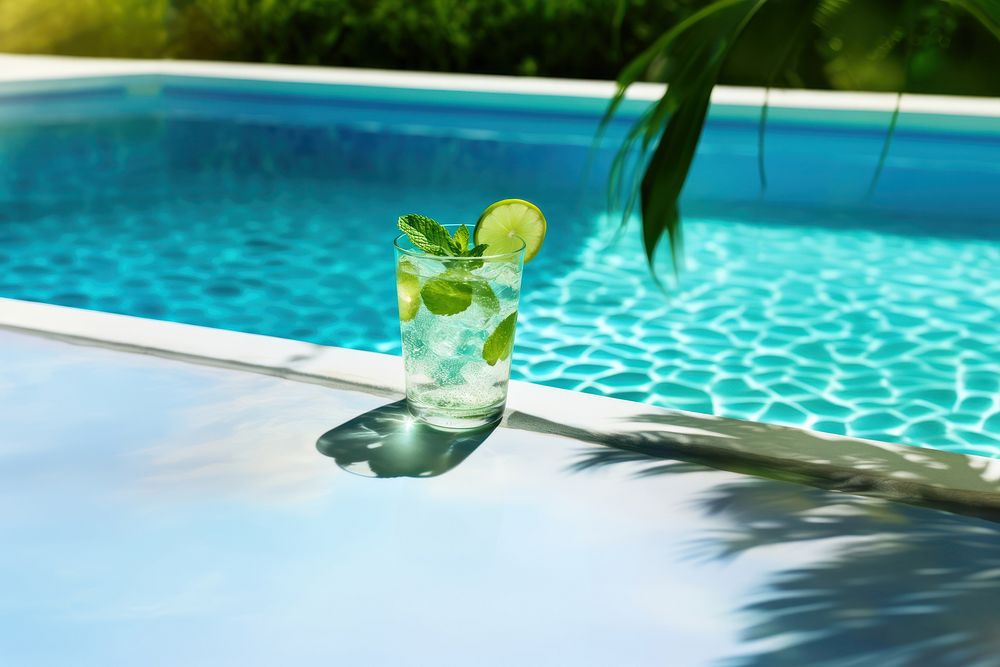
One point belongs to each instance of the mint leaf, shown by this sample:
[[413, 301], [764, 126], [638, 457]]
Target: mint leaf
[[460, 242], [500, 343], [487, 299], [446, 295], [475, 252], [426, 234]]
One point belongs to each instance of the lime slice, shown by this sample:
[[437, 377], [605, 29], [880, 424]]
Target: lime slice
[[502, 225], [407, 291]]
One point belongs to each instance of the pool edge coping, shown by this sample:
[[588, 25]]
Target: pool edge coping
[[22, 68], [948, 480]]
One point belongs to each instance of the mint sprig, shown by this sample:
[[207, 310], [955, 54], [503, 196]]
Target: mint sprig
[[426, 234], [454, 290], [460, 241], [430, 236]]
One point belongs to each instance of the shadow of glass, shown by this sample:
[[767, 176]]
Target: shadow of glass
[[389, 442], [890, 583]]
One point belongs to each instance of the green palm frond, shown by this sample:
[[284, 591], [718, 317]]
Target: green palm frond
[[689, 58], [800, 31], [827, 9], [654, 159], [987, 12]]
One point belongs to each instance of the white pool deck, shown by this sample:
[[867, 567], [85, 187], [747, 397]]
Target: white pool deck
[[175, 495], [21, 68]]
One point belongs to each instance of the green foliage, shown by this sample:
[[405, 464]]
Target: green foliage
[[565, 38], [134, 28], [487, 36], [704, 39]]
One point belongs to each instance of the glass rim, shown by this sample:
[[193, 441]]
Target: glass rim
[[420, 253]]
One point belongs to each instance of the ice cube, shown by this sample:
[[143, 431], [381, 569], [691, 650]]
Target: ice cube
[[507, 274]]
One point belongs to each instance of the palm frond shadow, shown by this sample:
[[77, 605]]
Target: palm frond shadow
[[691, 440], [895, 584]]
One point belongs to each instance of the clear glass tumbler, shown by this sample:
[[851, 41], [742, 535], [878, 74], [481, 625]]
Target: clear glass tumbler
[[457, 321]]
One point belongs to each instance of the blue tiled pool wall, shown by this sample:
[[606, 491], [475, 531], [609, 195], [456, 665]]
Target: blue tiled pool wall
[[847, 320], [930, 173], [934, 162]]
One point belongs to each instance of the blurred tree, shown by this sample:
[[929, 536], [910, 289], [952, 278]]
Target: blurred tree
[[133, 28], [565, 38]]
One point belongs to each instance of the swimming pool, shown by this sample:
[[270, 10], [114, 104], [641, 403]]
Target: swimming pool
[[270, 208]]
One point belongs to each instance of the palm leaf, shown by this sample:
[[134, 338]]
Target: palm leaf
[[894, 120], [796, 41], [987, 12], [691, 55]]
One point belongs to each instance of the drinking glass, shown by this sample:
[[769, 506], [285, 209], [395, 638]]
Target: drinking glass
[[457, 320]]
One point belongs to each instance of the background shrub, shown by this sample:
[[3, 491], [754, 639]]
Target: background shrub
[[563, 38]]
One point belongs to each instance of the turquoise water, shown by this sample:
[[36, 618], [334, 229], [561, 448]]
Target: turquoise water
[[809, 306]]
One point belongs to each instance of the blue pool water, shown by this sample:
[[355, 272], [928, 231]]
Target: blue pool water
[[810, 306]]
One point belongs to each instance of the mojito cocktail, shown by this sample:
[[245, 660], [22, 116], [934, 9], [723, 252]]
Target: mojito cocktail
[[458, 303]]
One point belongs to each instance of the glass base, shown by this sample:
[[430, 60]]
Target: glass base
[[455, 419]]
